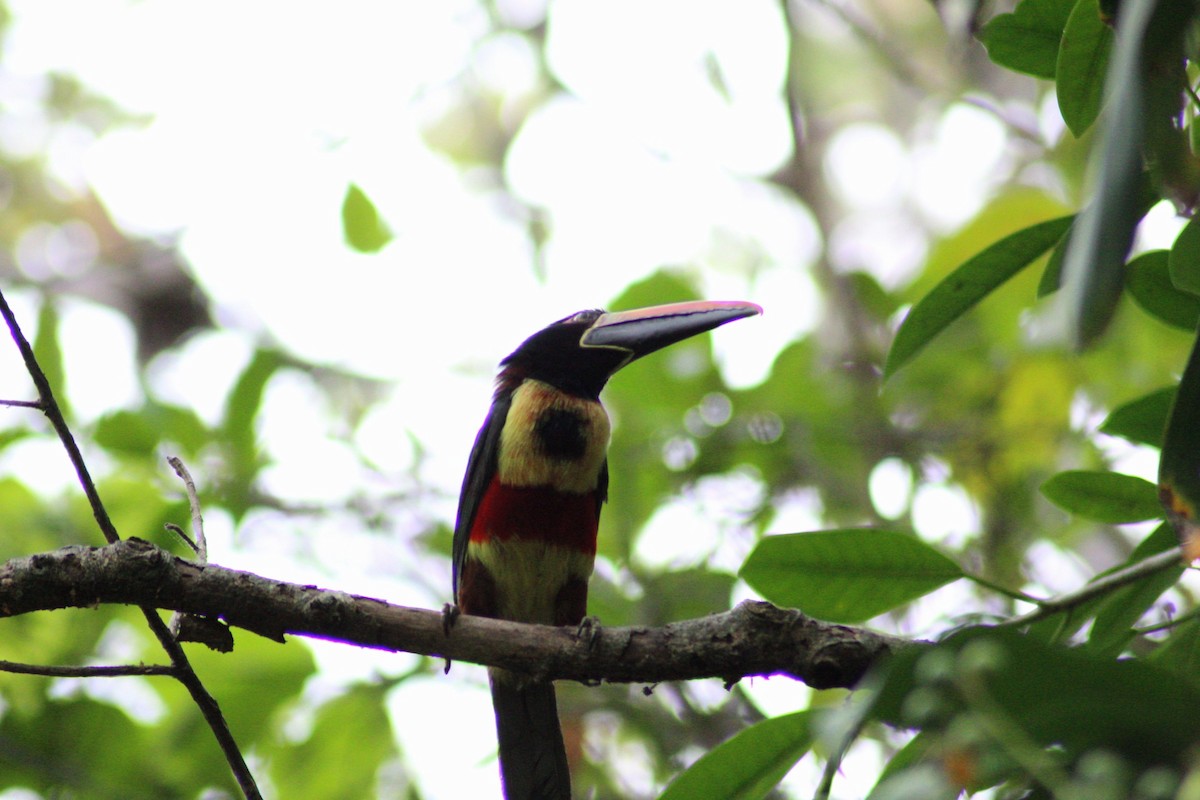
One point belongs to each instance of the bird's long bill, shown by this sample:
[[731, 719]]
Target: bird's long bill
[[641, 331]]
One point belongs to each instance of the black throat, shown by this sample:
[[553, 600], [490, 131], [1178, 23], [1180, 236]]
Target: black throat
[[561, 434]]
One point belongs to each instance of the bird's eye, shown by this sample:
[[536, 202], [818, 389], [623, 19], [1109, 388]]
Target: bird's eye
[[589, 316]]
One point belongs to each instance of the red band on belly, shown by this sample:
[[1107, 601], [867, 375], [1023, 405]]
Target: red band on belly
[[537, 513]]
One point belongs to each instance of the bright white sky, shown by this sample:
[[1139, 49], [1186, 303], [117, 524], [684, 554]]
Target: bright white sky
[[262, 113]]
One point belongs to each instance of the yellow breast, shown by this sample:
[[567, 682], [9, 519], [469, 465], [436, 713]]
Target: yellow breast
[[525, 459]]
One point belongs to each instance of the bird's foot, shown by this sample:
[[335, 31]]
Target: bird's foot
[[589, 631], [450, 614]]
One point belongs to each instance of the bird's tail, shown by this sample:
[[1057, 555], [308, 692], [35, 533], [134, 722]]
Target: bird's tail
[[533, 760]]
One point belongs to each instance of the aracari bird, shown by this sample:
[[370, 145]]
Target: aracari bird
[[525, 535]]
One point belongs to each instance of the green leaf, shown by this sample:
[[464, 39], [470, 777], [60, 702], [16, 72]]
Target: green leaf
[[1166, 47], [255, 685], [180, 426], [1148, 280], [1104, 496], [651, 398], [1082, 64], [352, 731], [237, 427], [1093, 269], [684, 594], [1051, 278], [1118, 611], [264, 677], [125, 432], [1179, 466], [241, 407], [923, 781], [915, 752], [847, 575], [1180, 654], [364, 229], [1184, 261], [1054, 695], [871, 295], [1142, 420], [66, 751], [1027, 40], [747, 765], [1158, 541], [48, 352], [142, 432], [969, 284]]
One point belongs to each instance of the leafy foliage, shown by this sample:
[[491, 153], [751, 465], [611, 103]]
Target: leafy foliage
[[1142, 420], [1081, 66], [1064, 718], [1104, 496], [1148, 281], [748, 765], [1179, 467], [969, 284], [1028, 40], [352, 727], [846, 575]]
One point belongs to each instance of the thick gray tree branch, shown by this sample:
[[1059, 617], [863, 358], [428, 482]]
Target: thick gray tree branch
[[752, 639]]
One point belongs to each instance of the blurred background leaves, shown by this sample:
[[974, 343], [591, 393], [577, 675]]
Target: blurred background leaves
[[329, 255]]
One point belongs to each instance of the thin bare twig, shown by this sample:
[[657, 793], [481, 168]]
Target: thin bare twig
[[49, 407], [1101, 586], [22, 403], [1166, 625], [119, 671], [201, 544], [182, 534], [182, 668]]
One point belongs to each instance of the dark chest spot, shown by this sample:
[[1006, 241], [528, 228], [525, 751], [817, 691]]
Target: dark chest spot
[[561, 434]]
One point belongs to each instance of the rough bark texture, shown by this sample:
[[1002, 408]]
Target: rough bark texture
[[752, 639]]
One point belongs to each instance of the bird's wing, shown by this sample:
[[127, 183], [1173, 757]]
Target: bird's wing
[[602, 488], [481, 466]]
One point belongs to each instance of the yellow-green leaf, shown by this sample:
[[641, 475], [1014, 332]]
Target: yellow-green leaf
[[1104, 496], [364, 229]]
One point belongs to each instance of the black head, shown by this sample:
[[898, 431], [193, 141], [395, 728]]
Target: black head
[[579, 353]]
